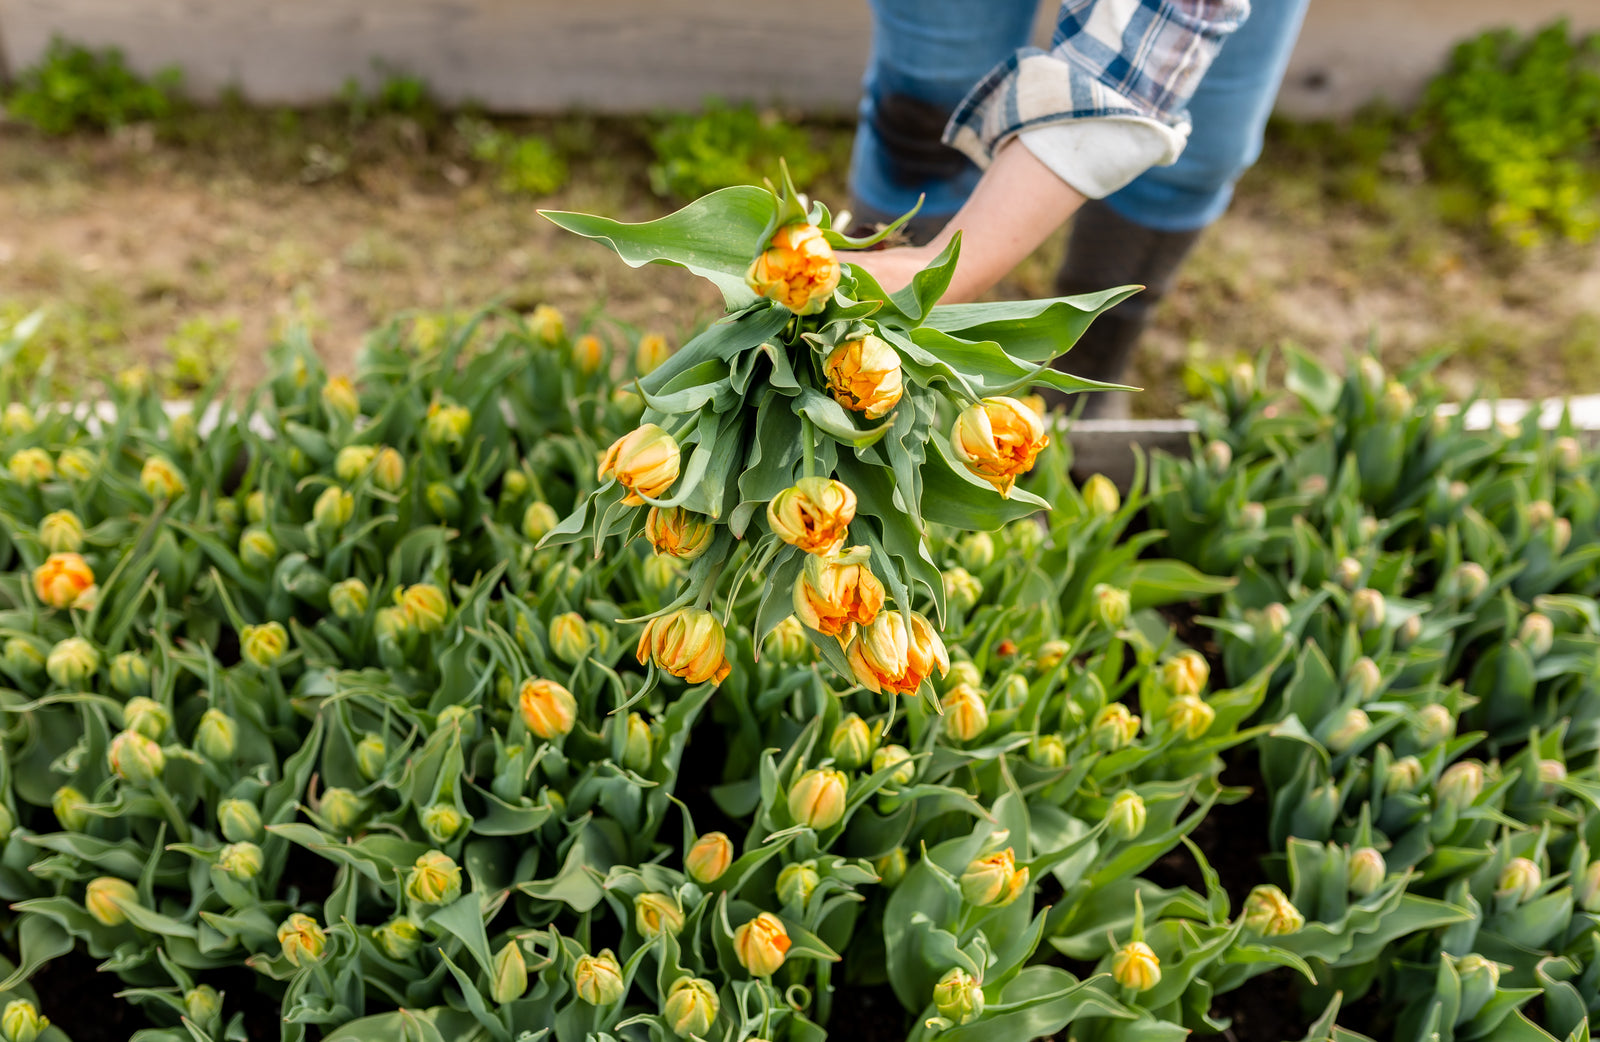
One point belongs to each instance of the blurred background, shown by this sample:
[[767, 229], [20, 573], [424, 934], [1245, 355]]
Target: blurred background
[[180, 178]]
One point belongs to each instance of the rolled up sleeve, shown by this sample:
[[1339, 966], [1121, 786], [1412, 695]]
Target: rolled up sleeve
[[1133, 62]]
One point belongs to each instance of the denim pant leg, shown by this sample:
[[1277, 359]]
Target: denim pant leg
[[1229, 111], [926, 55]]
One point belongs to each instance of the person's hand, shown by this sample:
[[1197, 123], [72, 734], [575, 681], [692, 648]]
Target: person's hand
[[894, 267]]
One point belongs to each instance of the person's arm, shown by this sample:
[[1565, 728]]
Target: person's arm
[[1017, 204]]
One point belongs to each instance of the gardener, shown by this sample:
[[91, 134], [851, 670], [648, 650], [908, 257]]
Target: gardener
[[1140, 119]]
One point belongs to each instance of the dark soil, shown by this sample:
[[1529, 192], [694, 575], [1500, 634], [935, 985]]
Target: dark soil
[[83, 1002], [870, 1014], [1267, 1009]]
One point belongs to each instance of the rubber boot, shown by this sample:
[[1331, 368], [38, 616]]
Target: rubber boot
[[1106, 250]]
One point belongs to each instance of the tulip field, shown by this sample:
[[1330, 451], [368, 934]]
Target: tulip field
[[790, 686]]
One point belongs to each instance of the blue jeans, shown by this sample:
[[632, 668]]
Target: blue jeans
[[926, 55]]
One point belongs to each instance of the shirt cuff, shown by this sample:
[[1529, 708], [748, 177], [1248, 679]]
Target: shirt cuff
[[1099, 156]]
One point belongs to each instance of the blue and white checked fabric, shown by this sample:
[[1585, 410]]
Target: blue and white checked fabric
[[1110, 59]]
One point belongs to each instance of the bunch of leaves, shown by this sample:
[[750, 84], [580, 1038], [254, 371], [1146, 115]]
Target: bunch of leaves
[[723, 146], [75, 88], [523, 164], [1519, 120]]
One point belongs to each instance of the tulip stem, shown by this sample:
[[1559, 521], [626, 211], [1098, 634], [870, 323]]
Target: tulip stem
[[179, 820], [808, 448]]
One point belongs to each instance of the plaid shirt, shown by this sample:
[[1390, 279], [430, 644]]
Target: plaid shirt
[[1119, 59]]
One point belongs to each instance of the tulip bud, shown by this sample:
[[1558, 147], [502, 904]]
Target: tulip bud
[[349, 599], [538, 520], [434, 880], [1397, 403], [1433, 724], [651, 354], [1110, 606], [508, 976], [443, 502], [388, 470], [130, 675], [709, 857], [1352, 727], [797, 269], [1367, 607], [966, 715], [1467, 582], [661, 572], [341, 808], [146, 716], [570, 640], [1347, 572], [257, 549], [976, 550], [1539, 513], [61, 532], [1404, 775], [787, 642], [1537, 633], [302, 938], [1022, 537], [399, 938], [677, 532], [998, 439], [1048, 751], [263, 646], [864, 376], [1136, 967], [796, 882], [891, 867], [690, 1007], [1366, 871], [958, 997], [107, 897], [1461, 784], [30, 467], [638, 745], [1560, 535], [851, 743], [447, 424], [67, 804], [1587, 891], [1115, 728], [64, 580], [239, 821], [135, 759], [1566, 453], [240, 860], [963, 671], [1185, 673], [352, 460], [656, 914], [72, 661], [202, 1004], [1050, 654], [339, 398], [962, 588], [372, 756], [216, 736], [1126, 817], [817, 798], [18, 419], [547, 708], [887, 656], [994, 880], [1365, 677], [333, 509], [547, 324], [1275, 619], [1519, 880], [425, 607], [689, 643], [22, 1021], [1267, 911], [897, 757], [644, 461], [441, 821], [813, 514], [1218, 455], [761, 944], [599, 978], [23, 657], [1550, 774], [161, 479]]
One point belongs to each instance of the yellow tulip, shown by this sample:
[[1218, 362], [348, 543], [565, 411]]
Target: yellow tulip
[[864, 376], [813, 514], [998, 439], [837, 592], [644, 461], [761, 944], [798, 269]]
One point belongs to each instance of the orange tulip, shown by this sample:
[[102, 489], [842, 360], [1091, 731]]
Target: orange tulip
[[677, 532], [864, 376], [644, 461], [887, 656], [761, 944], [688, 643], [998, 439], [797, 269], [813, 515], [62, 579], [837, 592]]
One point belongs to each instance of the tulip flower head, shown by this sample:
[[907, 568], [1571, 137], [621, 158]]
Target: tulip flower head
[[813, 514], [1185, 673], [1126, 817], [340, 399], [864, 376], [63, 580], [435, 879], [761, 944], [1115, 727], [837, 592], [958, 996], [1366, 871], [994, 880], [30, 467], [998, 439], [966, 714], [689, 643], [1190, 716], [691, 1006], [1267, 911], [106, 897], [598, 978], [135, 759], [547, 708], [797, 882], [1519, 880], [21, 1021], [677, 532], [656, 914], [888, 656], [303, 939], [76, 465], [851, 742], [652, 352], [72, 661], [709, 857], [817, 798], [1136, 967], [161, 479], [644, 461], [61, 532], [798, 269]]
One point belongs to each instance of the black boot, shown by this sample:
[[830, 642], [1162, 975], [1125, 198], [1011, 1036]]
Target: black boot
[[1106, 250]]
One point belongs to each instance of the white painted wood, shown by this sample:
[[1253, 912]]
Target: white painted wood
[[644, 55]]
